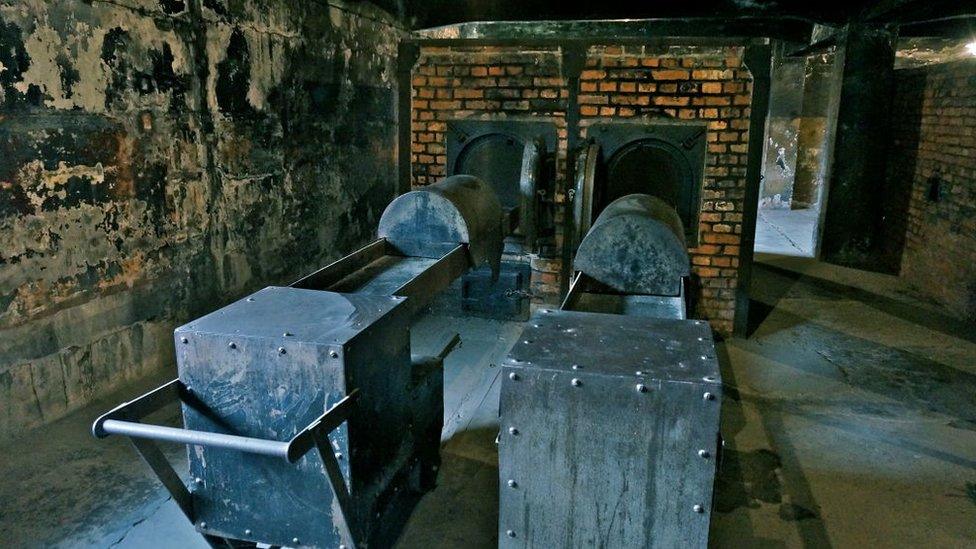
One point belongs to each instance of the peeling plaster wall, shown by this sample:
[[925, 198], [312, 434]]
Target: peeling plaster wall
[[159, 159], [782, 130]]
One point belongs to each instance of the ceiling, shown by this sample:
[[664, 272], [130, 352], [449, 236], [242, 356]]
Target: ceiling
[[952, 17]]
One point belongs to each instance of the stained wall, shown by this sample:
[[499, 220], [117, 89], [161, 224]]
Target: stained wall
[[161, 158]]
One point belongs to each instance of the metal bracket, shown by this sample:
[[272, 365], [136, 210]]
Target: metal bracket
[[124, 420]]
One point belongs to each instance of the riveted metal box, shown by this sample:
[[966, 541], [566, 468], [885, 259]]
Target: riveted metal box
[[268, 365], [609, 428]]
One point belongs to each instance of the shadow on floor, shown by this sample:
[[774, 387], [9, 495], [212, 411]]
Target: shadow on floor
[[752, 478], [462, 511], [828, 289], [918, 383]]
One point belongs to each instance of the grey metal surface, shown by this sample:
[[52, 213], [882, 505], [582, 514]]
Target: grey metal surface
[[608, 432], [267, 366], [636, 246], [460, 209]]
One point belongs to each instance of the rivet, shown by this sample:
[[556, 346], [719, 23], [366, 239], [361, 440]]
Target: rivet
[[513, 431], [250, 299], [510, 533], [247, 532], [701, 339], [198, 480], [576, 382], [638, 372], [512, 483], [232, 345], [708, 396], [294, 540], [641, 388], [576, 366], [527, 342], [513, 376], [703, 357], [203, 525], [698, 509], [703, 454], [334, 354], [184, 340], [287, 334], [338, 455]]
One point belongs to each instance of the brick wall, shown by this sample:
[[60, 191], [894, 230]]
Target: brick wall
[[934, 136], [623, 82]]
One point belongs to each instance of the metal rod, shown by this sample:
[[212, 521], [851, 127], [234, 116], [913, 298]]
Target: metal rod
[[201, 438]]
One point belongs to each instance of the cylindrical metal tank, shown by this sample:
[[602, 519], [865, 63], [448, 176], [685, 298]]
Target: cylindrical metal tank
[[636, 246], [429, 222]]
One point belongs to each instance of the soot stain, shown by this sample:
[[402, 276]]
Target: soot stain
[[233, 77]]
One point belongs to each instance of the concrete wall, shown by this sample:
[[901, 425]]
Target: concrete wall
[[159, 159], [931, 183]]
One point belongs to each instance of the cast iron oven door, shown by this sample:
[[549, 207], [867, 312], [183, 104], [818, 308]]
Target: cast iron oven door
[[660, 158], [514, 157]]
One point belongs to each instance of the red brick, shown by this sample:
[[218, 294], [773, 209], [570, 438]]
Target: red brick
[[671, 101], [711, 87], [673, 74]]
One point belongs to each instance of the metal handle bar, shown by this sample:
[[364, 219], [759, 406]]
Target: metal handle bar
[[124, 420]]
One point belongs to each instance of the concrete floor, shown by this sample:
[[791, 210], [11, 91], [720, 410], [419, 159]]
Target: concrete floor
[[787, 232], [849, 419]]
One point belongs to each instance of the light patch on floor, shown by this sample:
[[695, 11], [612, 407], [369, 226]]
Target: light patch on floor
[[787, 232]]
